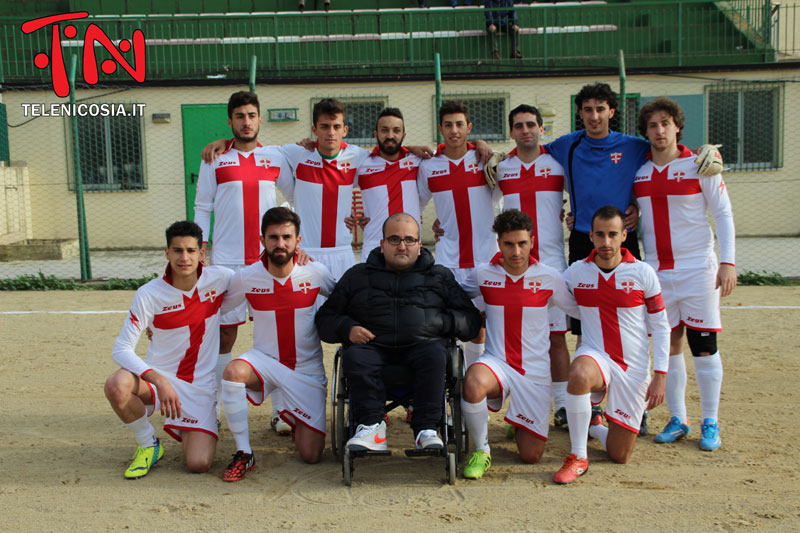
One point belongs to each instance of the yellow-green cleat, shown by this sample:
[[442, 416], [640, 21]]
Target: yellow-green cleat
[[143, 460], [477, 465]]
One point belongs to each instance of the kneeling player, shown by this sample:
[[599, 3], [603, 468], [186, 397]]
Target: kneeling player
[[620, 303], [287, 355], [679, 244], [517, 290], [177, 377]]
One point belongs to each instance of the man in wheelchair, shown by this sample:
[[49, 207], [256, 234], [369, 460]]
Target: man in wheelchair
[[398, 306]]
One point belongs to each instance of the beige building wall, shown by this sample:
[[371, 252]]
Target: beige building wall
[[123, 219]]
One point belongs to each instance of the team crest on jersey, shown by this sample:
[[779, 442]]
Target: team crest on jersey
[[344, 165], [546, 172], [534, 284], [407, 163], [616, 157], [210, 294], [678, 175], [627, 285], [263, 161], [304, 286], [472, 167]]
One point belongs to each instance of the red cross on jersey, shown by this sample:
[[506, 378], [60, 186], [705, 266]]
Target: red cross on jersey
[[185, 326], [239, 188], [619, 309], [283, 312], [674, 201], [387, 187], [323, 193], [536, 189], [464, 206]]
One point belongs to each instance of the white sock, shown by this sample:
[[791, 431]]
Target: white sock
[[676, 387], [559, 392], [234, 401], [599, 432], [143, 432], [476, 419], [471, 353], [579, 412], [708, 372], [222, 361]]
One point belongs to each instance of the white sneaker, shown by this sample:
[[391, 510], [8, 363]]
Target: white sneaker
[[428, 439], [371, 438], [279, 425]]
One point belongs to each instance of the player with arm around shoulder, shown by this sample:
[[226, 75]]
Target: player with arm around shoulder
[[620, 305], [518, 291], [679, 244], [182, 309]]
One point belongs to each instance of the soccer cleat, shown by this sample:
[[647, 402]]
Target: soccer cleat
[[477, 465], [143, 460], [674, 430], [241, 464], [572, 469], [279, 425], [643, 426], [372, 438], [709, 435], [560, 417], [427, 439], [511, 432]]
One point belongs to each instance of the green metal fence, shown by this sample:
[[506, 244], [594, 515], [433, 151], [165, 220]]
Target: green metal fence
[[403, 41]]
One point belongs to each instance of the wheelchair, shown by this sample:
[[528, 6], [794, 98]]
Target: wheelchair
[[399, 379]]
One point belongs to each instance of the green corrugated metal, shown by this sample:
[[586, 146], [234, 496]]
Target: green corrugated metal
[[4, 151]]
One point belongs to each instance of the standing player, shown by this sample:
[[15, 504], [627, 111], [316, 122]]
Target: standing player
[[287, 354], [463, 201], [530, 180], [239, 187], [516, 363], [679, 244], [177, 376], [620, 303]]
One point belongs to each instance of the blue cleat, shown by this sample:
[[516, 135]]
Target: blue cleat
[[673, 431], [710, 440]]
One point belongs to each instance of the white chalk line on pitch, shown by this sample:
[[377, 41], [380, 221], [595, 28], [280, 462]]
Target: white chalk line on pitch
[[114, 312]]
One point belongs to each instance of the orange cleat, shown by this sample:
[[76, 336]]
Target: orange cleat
[[573, 468]]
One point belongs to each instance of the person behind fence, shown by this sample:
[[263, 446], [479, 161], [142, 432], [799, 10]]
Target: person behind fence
[[397, 307], [502, 20]]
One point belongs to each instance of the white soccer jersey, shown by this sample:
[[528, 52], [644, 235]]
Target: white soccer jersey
[[324, 193], [239, 187], [674, 201], [387, 187], [619, 309], [185, 326], [283, 312], [517, 324], [537, 189], [464, 206]]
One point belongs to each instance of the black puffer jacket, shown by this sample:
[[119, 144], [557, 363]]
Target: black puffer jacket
[[399, 308]]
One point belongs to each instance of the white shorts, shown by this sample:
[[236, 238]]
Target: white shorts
[[558, 320], [302, 396], [465, 277], [626, 390], [338, 260], [690, 297], [529, 403], [238, 315], [198, 408]]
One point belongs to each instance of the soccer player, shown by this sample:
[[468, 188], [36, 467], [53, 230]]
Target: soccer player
[[287, 354], [516, 363], [239, 187], [177, 376], [679, 244], [529, 179], [454, 179], [620, 304]]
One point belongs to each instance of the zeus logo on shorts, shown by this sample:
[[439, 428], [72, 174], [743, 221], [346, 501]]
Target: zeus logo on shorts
[[188, 420], [624, 415], [525, 419], [301, 413], [695, 320]]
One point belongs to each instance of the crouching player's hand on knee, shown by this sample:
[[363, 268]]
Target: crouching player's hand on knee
[[170, 404]]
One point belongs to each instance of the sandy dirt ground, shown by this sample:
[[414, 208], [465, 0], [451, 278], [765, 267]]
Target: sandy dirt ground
[[63, 451]]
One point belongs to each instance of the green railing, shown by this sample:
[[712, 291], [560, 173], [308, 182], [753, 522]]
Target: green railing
[[402, 42]]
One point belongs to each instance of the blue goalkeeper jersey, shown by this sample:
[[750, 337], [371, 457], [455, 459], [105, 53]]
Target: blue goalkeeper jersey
[[601, 173]]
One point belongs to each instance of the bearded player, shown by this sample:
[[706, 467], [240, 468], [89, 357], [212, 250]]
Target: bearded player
[[182, 309], [287, 355], [679, 244]]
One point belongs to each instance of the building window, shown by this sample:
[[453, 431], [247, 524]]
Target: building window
[[361, 113], [487, 112], [631, 116], [746, 118], [109, 151]]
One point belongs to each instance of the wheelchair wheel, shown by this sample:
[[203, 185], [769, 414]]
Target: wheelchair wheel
[[458, 431], [340, 424], [451, 468], [347, 468]]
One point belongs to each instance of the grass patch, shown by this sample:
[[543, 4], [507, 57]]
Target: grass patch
[[748, 277], [40, 282]]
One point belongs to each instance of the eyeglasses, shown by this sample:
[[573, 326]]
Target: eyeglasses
[[395, 240]]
